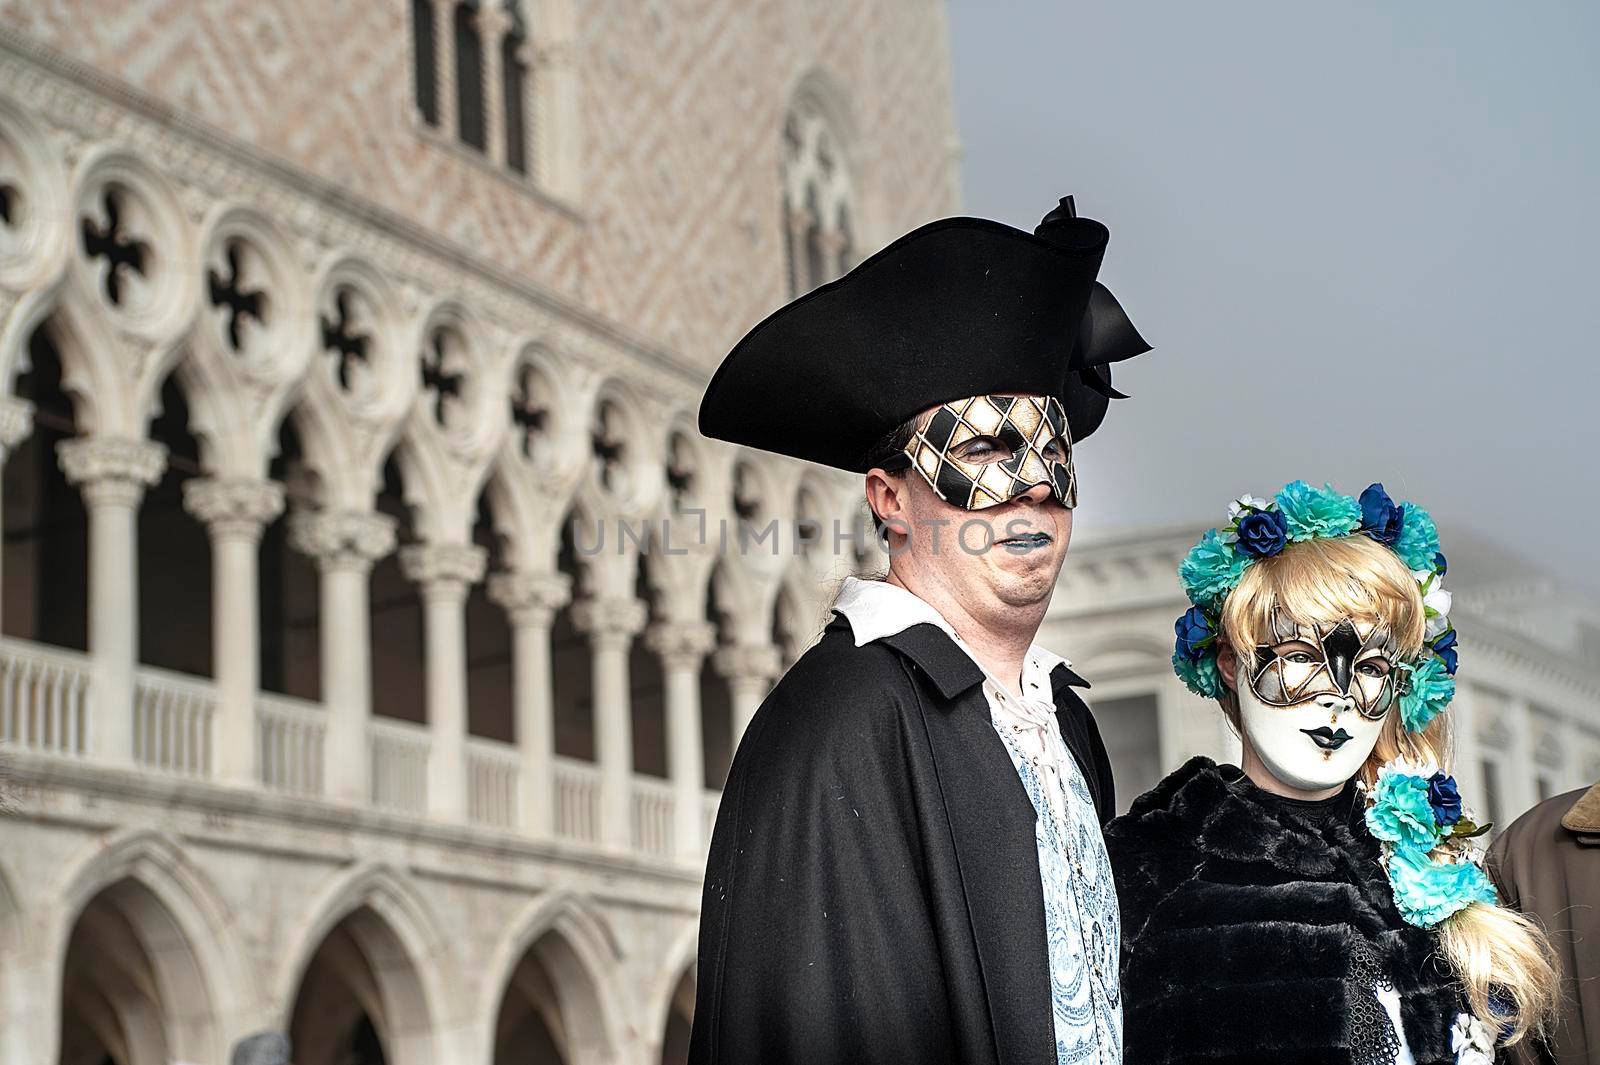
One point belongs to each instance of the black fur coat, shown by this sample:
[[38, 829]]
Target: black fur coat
[[1238, 924]]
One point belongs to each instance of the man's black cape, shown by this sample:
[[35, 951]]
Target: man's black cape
[[873, 894]]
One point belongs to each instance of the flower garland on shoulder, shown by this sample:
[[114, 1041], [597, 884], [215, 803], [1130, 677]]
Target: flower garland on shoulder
[[1434, 869], [1415, 812], [1261, 528]]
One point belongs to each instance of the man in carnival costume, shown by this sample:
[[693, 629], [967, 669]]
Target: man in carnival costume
[[1325, 902], [907, 863], [1547, 865]]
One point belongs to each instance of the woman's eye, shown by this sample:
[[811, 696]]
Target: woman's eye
[[1299, 658], [1374, 669]]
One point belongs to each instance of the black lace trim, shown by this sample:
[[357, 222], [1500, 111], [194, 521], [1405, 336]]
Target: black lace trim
[[1373, 1040]]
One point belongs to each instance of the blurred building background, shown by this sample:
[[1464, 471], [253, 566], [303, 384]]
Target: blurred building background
[[373, 646]]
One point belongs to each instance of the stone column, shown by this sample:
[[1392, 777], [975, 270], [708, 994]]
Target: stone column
[[492, 22], [1554, 744], [445, 573], [234, 511], [345, 544], [531, 600], [1518, 777], [528, 56], [112, 473], [16, 423], [682, 646], [1173, 735], [799, 259], [611, 625], [749, 669], [444, 56], [551, 87]]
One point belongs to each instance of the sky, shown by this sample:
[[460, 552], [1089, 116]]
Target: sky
[[1362, 238]]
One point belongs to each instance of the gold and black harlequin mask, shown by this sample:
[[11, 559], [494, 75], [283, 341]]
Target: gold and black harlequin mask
[[1357, 659], [982, 451]]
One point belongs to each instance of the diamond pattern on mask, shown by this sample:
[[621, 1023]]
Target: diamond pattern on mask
[[1025, 424]]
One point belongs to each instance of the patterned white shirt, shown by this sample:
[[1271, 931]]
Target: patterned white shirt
[[1082, 926]]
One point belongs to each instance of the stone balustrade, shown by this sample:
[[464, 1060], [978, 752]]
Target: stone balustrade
[[47, 709]]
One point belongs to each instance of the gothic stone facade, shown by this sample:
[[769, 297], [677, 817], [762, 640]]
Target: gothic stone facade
[[333, 336]]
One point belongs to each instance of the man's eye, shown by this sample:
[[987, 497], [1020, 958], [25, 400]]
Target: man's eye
[[982, 449], [1055, 451]]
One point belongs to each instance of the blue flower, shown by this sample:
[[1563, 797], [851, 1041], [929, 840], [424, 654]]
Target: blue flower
[[1426, 891], [1317, 512], [1199, 675], [1445, 648], [1430, 690], [1263, 533], [1440, 566], [1211, 570], [1194, 634], [1444, 798], [1380, 518], [1400, 812], [1418, 542]]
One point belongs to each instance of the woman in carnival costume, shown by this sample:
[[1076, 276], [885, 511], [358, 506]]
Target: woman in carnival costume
[[1325, 903]]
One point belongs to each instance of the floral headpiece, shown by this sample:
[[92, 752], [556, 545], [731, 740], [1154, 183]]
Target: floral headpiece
[[1261, 528]]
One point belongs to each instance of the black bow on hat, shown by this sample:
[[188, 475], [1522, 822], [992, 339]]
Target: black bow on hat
[[960, 307]]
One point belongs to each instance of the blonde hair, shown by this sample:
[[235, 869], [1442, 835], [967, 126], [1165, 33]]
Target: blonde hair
[[1489, 947]]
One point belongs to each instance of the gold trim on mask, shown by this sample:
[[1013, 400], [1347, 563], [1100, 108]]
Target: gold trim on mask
[[1024, 425], [1358, 660]]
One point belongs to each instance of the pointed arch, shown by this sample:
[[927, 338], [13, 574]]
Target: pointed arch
[[409, 955], [182, 923], [18, 1008], [818, 169], [252, 343], [581, 955], [540, 460], [381, 889], [134, 297], [630, 481], [359, 384], [680, 961], [455, 423]]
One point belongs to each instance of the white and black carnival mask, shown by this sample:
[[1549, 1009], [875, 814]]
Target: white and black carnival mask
[[983, 451], [1314, 700]]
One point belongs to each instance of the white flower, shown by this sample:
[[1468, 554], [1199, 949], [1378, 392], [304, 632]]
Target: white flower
[[1406, 767], [1436, 600], [1244, 505], [1471, 1042]]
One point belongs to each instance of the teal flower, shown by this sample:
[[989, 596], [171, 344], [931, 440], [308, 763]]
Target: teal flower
[[1401, 813], [1211, 570], [1199, 675], [1318, 512], [1428, 694], [1426, 891], [1419, 538]]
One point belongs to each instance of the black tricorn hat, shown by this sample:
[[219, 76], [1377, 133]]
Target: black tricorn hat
[[960, 307]]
